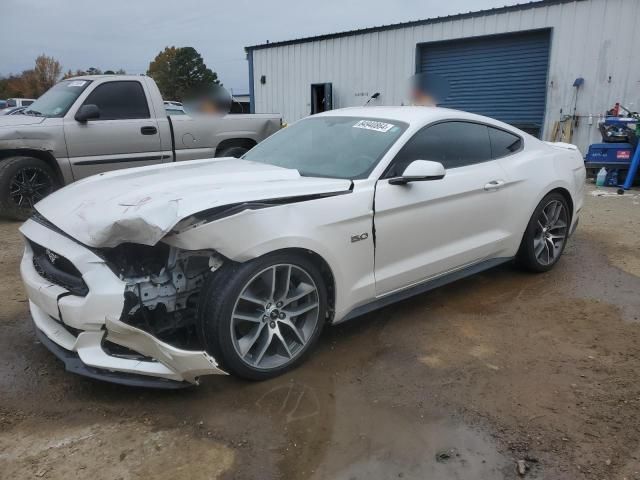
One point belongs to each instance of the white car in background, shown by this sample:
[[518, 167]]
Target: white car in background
[[158, 275], [19, 102]]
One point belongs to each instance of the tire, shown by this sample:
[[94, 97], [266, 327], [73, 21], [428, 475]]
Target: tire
[[235, 152], [235, 330], [541, 245], [34, 180]]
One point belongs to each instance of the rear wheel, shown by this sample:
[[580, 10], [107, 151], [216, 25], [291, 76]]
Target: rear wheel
[[261, 318], [546, 234], [235, 152], [24, 181]]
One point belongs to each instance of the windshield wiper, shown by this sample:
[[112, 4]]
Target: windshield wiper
[[33, 112]]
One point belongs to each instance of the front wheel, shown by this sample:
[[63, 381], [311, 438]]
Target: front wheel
[[261, 318], [546, 234], [24, 181]]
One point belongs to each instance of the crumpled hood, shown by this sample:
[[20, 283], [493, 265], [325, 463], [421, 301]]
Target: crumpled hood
[[18, 121], [141, 205]]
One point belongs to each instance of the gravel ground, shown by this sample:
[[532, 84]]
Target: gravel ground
[[462, 382]]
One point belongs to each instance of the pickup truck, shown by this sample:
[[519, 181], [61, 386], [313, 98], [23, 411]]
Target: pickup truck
[[92, 124]]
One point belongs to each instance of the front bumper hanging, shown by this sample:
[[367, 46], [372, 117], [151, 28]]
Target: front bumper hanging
[[75, 327]]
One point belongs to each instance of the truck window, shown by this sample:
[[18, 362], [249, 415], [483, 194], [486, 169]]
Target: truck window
[[119, 100]]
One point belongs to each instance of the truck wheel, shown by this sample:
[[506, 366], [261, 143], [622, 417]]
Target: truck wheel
[[24, 181], [235, 152]]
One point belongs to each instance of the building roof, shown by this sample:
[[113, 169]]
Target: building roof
[[395, 26]]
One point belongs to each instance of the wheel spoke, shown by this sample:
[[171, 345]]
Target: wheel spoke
[[546, 218], [302, 291], [248, 318], [552, 246], [302, 309], [556, 214], [559, 224], [264, 348], [278, 334], [287, 284], [546, 248], [248, 341], [538, 247], [296, 331], [251, 298]]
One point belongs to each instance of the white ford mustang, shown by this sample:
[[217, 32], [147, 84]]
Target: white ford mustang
[[158, 275]]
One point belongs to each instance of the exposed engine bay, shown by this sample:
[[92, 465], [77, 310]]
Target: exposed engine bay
[[163, 285]]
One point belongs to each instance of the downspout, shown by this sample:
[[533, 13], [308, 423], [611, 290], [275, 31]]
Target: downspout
[[252, 101]]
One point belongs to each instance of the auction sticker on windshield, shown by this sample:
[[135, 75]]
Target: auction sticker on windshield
[[374, 125], [77, 83]]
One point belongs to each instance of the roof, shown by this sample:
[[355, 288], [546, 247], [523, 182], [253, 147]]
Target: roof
[[103, 76], [395, 26], [411, 114]]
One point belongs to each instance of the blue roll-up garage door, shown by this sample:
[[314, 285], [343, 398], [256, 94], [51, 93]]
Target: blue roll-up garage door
[[502, 76]]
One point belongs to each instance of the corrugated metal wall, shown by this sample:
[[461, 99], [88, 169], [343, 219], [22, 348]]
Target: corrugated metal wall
[[594, 39]]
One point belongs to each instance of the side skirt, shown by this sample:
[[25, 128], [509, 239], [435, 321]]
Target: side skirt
[[425, 287]]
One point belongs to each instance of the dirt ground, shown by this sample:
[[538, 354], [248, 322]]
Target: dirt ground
[[459, 383]]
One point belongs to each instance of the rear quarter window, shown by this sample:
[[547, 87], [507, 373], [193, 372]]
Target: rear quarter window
[[503, 143]]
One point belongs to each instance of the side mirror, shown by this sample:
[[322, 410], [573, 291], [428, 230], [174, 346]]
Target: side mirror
[[420, 171], [87, 112]]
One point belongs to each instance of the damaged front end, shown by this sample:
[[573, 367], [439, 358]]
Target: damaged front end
[[162, 286], [134, 323]]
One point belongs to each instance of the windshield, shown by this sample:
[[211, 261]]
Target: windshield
[[58, 99], [337, 147]]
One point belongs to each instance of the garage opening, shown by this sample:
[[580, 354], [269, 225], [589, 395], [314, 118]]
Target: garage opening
[[500, 76], [321, 97]]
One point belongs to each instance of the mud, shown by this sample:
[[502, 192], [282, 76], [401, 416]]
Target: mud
[[459, 383]]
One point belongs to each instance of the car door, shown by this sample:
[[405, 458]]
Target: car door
[[124, 136], [428, 228]]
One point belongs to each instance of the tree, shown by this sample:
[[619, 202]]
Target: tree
[[92, 71], [179, 72], [46, 73], [34, 82]]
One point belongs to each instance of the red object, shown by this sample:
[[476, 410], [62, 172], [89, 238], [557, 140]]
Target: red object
[[623, 154]]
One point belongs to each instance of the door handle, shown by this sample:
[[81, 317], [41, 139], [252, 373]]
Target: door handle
[[148, 130], [494, 185]]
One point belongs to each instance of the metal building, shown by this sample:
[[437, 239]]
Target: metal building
[[516, 63]]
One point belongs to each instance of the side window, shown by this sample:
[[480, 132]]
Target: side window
[[119, 100], [503, 143], [454, 144]]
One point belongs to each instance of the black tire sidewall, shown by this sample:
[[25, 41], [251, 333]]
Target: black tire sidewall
[[218, 299], [526, 254], [9, 167], [235, 152]]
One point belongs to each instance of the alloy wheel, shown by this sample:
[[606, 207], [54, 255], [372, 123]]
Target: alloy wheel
[[28, 186], [275, 316], [551, 232]]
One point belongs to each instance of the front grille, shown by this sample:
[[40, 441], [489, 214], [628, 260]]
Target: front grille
[[58, 270]]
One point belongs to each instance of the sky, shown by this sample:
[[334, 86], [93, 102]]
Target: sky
[[113, 34]]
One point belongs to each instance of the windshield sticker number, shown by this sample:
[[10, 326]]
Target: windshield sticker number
[[373, 125], [77, 83]]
